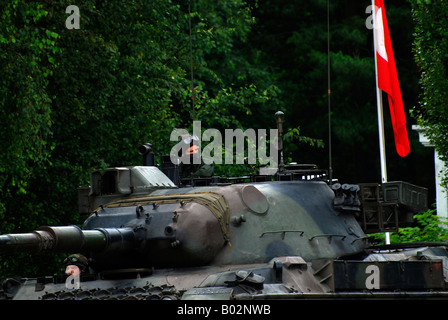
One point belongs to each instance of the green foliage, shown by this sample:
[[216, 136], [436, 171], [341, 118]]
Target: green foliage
[[294, 134], [26, 60], [431, 55], [428, 227], [74, 100]]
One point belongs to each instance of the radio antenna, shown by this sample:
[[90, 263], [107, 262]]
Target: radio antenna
[[191, 62], [330, 169]]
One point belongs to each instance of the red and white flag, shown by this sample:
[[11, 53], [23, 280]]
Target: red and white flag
[[388, 79]]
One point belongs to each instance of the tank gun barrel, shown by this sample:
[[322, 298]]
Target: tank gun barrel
[[68, 239]]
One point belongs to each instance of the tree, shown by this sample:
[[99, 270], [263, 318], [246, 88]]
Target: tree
[[431, 55], [74, 100], [26, 58]]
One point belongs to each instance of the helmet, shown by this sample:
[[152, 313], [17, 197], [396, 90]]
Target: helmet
[[77, 260], [188, 139]]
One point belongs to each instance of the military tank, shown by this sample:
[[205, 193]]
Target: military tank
[[292, 234]]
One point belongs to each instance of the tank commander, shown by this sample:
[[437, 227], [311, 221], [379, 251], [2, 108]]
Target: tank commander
[[195, 168]]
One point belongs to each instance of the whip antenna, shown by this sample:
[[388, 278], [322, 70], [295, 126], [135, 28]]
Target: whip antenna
[[191, 61], [330, 169]]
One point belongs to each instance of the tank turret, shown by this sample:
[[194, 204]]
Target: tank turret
[[195, 226]]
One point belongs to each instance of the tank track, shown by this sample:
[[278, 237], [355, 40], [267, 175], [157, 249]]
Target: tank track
[[147, 292]]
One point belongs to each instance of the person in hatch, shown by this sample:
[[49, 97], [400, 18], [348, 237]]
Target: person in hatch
[[196, 168]]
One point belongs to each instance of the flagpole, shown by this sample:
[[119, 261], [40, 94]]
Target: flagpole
[[379, 98], [379, 102]]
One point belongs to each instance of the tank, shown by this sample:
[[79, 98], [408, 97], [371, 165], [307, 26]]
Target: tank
[[292, 234]]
